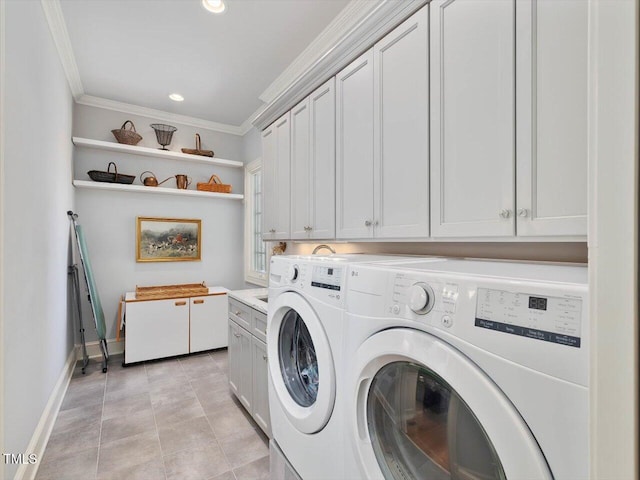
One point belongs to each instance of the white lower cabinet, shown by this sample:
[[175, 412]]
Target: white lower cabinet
[[248, 362], [174, 326]]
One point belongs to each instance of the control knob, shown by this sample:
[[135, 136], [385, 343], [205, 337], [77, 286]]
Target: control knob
[[292, 273], [420, 298]]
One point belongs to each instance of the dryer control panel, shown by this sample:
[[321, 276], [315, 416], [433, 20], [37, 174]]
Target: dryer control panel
[[547, 318]]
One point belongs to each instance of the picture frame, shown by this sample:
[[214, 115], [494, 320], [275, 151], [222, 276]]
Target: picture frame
[[168, 239]]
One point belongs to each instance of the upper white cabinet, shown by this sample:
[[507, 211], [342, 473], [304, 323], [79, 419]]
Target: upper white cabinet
[[354, 149], [401, 130], [276, 161], [382, 130], [313, 165], [508, 118], [472, 118], [551, 117]]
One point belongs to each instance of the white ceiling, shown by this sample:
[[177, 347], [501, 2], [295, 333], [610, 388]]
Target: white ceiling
[[140, 51]]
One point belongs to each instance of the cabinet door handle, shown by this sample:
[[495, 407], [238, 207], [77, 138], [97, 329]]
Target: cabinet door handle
[[368, 223], [272, 230], [180, 304], [198, 302], [238, 313], [505, 213], [237, 335], [264, 357], [523, 212]]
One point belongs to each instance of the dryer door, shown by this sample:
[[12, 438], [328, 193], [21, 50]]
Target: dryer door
[[424, 410], [300, 362]]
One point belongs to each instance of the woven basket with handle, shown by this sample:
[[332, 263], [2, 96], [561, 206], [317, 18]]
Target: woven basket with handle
[[214, 185], [198, 150], [125, 135]]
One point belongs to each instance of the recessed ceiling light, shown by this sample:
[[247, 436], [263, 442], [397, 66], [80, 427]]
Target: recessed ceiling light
[[176, 97], [214, 6]]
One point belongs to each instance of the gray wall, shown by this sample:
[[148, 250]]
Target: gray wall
[[252, 145], [109, 218], [36, 194]]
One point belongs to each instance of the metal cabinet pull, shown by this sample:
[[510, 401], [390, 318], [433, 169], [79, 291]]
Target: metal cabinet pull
[[238, 313], [368, 223], [505, 213], [198, 302], [264, 357], [180, 304], [237, 335], [523, 212]]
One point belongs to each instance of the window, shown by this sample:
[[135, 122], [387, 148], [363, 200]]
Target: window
[[255, 257]]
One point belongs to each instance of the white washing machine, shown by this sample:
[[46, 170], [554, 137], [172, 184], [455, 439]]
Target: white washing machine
[[305, 332], [467, 369]]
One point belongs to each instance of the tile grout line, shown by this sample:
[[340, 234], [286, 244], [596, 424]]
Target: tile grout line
[[155, 422]]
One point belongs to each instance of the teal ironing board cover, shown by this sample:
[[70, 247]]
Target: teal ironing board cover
[[94, 298]]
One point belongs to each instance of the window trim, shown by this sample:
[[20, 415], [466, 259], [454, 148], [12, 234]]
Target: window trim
[[250, 275]]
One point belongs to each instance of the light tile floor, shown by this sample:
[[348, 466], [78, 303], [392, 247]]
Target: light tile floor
[[171, 419]]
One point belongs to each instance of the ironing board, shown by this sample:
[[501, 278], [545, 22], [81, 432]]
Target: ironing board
[[94, 298]]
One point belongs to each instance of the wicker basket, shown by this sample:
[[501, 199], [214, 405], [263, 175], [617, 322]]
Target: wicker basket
[[127, 136], [98, 176], [198, 150], [171, 291], [214, 185]]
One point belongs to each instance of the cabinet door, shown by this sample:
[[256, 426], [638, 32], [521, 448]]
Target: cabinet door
[[235, 357], [156, 329], [322, 105], [300, 171], [240, 364], [260, 411], [472, 117], [401, 133], [354, 149], [269, 218], [208, 322], [282, 176], [276, 164], [552, 62]]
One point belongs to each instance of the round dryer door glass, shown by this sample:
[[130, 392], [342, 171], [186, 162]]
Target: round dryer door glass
[[298, 362], [420, 428]]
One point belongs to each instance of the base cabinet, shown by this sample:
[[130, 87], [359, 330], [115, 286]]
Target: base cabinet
[[248, 367], [174, 326]]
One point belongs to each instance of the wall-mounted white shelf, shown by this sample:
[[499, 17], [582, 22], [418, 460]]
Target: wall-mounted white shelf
[[153, 190], [153, 152]]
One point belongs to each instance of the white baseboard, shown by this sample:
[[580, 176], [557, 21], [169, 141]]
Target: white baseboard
[[93, 348], [45, 425]]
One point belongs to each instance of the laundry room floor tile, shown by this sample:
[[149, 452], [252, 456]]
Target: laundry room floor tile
[[165, 419]]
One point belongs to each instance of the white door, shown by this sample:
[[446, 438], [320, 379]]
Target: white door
[[300, 363], [282, 128], [301, 191], [156, 329], [472, 117], [552, 73], [401, 133], [354, 149], [269, 200], [260, 385], [322, 103], [424, 410], [208, 322]]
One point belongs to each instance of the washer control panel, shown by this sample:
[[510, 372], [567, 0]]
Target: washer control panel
[[328, 277]]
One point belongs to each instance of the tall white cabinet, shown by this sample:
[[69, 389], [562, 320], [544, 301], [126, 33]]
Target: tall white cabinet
[[313, 165], [276, 159], [383, 136], [508, 118]]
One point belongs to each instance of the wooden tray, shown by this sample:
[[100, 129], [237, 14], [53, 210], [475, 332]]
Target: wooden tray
[[159, 292]]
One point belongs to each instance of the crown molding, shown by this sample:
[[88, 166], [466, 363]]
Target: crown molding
[[357, 28], [346, 20], [114, 105], [58, 27], [247, 125]]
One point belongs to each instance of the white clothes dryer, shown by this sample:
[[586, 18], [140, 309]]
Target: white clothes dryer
[[305, 333], [467, 369]]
